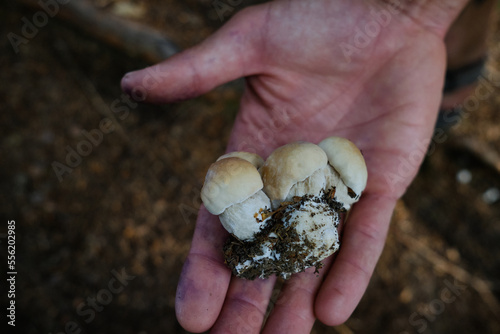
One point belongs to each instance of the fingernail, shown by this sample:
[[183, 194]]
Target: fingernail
[[127, 82]]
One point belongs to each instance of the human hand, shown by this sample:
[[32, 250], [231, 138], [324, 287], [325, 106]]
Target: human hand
[[302, 85]]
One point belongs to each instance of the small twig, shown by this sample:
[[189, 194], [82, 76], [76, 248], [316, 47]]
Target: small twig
[[487, 154], [135, 39]]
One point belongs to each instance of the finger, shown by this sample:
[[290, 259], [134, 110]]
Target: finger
[[362, 243], [293, 312], [204, 279], [245, 306], [228, 54]]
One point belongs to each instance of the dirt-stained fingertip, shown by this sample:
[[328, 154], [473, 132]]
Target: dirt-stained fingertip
[[198, 302]]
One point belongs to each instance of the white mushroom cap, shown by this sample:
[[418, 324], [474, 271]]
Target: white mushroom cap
[[253, 158], [348, 161], [289, 165], [229, 181]]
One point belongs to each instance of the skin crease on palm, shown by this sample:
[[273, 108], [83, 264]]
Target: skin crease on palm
[[301, 86]]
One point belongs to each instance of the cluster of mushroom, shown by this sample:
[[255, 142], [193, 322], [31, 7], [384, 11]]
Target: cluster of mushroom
[[283, 213]]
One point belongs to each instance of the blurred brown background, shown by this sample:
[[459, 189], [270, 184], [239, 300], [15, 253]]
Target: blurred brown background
[[129, 205]]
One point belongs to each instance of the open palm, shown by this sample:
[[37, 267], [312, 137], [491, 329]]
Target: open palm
[[308, 78]]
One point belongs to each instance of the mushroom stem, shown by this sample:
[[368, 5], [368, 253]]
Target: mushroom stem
[[244, 220]]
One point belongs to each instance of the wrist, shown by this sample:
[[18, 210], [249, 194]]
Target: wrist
[[433, 15]]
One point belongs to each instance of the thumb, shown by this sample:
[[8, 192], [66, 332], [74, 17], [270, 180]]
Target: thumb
[[228, 54]]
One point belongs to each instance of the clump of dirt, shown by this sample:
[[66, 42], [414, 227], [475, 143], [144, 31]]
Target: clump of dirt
[[282, 247]]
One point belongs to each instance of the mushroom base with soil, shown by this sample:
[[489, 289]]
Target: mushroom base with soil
[[298, 235]]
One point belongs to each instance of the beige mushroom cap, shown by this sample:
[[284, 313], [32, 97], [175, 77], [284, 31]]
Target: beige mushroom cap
[[288, 165], [229, 181], [253, 158], [348, 161]]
